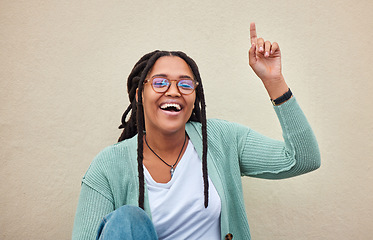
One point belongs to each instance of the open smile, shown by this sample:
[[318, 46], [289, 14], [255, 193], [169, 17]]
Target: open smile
[[171, 107]]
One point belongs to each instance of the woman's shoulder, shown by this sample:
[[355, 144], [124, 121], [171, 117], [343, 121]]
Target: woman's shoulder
[[118, 149], [114, 157]]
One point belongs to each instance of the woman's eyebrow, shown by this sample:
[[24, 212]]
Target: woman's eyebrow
[[159, 75], [185, 76], [166, 76]]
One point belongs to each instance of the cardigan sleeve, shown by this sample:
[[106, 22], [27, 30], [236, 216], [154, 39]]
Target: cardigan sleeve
[[109, 183], [92, 207], [263, 157], [95, 200]]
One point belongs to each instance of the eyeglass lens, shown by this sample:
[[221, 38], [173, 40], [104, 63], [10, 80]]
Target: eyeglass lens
[[185, 86]]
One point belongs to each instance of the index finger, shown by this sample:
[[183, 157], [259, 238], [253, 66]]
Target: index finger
[[253, 36]]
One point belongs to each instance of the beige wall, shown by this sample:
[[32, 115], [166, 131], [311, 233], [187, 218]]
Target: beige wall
[[63, 70]]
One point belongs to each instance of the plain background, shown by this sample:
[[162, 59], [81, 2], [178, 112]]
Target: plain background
[[64, 66]]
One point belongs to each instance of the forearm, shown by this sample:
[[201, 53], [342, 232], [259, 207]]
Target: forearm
[[264, 157], [276, 87], [299, 139]]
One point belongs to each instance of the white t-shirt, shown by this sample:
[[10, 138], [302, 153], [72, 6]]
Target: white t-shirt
[[177, 207]]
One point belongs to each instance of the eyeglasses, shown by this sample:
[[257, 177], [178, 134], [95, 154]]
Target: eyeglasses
[[186, 86]]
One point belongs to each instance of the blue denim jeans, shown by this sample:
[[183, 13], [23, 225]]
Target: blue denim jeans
[[127, 222]]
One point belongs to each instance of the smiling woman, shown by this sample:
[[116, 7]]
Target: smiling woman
[[161, 121], [162, 189]]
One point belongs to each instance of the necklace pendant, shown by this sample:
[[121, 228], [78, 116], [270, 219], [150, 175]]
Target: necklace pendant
[[172, 170]]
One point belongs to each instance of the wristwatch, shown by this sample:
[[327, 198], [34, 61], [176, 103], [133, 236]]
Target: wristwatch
[[282, 99]]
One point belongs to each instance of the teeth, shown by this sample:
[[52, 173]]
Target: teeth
[[167, 105]]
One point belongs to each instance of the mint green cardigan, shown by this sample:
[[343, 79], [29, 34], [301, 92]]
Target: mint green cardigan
[[233, 151]]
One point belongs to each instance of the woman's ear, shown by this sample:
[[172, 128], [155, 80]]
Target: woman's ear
[[137, 90]]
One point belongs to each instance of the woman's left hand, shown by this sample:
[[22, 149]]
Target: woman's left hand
[[265, 60]]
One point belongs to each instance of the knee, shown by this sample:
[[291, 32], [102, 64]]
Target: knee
[[131, 213], [127, 222], [131, 210]]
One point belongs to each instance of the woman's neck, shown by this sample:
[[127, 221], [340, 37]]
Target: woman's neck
[[165, 142]]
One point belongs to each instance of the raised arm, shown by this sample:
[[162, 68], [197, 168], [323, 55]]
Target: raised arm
[[267, 158]]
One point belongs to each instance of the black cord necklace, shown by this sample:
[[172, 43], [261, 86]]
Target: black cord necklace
[[172, 170]]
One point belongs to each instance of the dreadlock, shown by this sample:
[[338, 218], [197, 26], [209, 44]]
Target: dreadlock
[[135, 123]]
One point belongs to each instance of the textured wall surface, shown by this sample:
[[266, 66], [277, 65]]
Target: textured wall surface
[[63, 70]]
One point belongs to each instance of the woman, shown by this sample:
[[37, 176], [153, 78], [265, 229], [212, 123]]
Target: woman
[[185, 171]]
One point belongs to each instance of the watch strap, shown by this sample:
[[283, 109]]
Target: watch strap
[[286, 96]]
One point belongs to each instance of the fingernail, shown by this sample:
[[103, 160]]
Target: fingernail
[[266, 54], [260, 49]]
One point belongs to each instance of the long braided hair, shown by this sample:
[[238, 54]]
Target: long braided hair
[[135, 123]]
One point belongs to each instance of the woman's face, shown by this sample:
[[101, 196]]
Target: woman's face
[[167, 112]]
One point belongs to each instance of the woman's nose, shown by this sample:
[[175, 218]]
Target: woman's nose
[[173, 90]]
